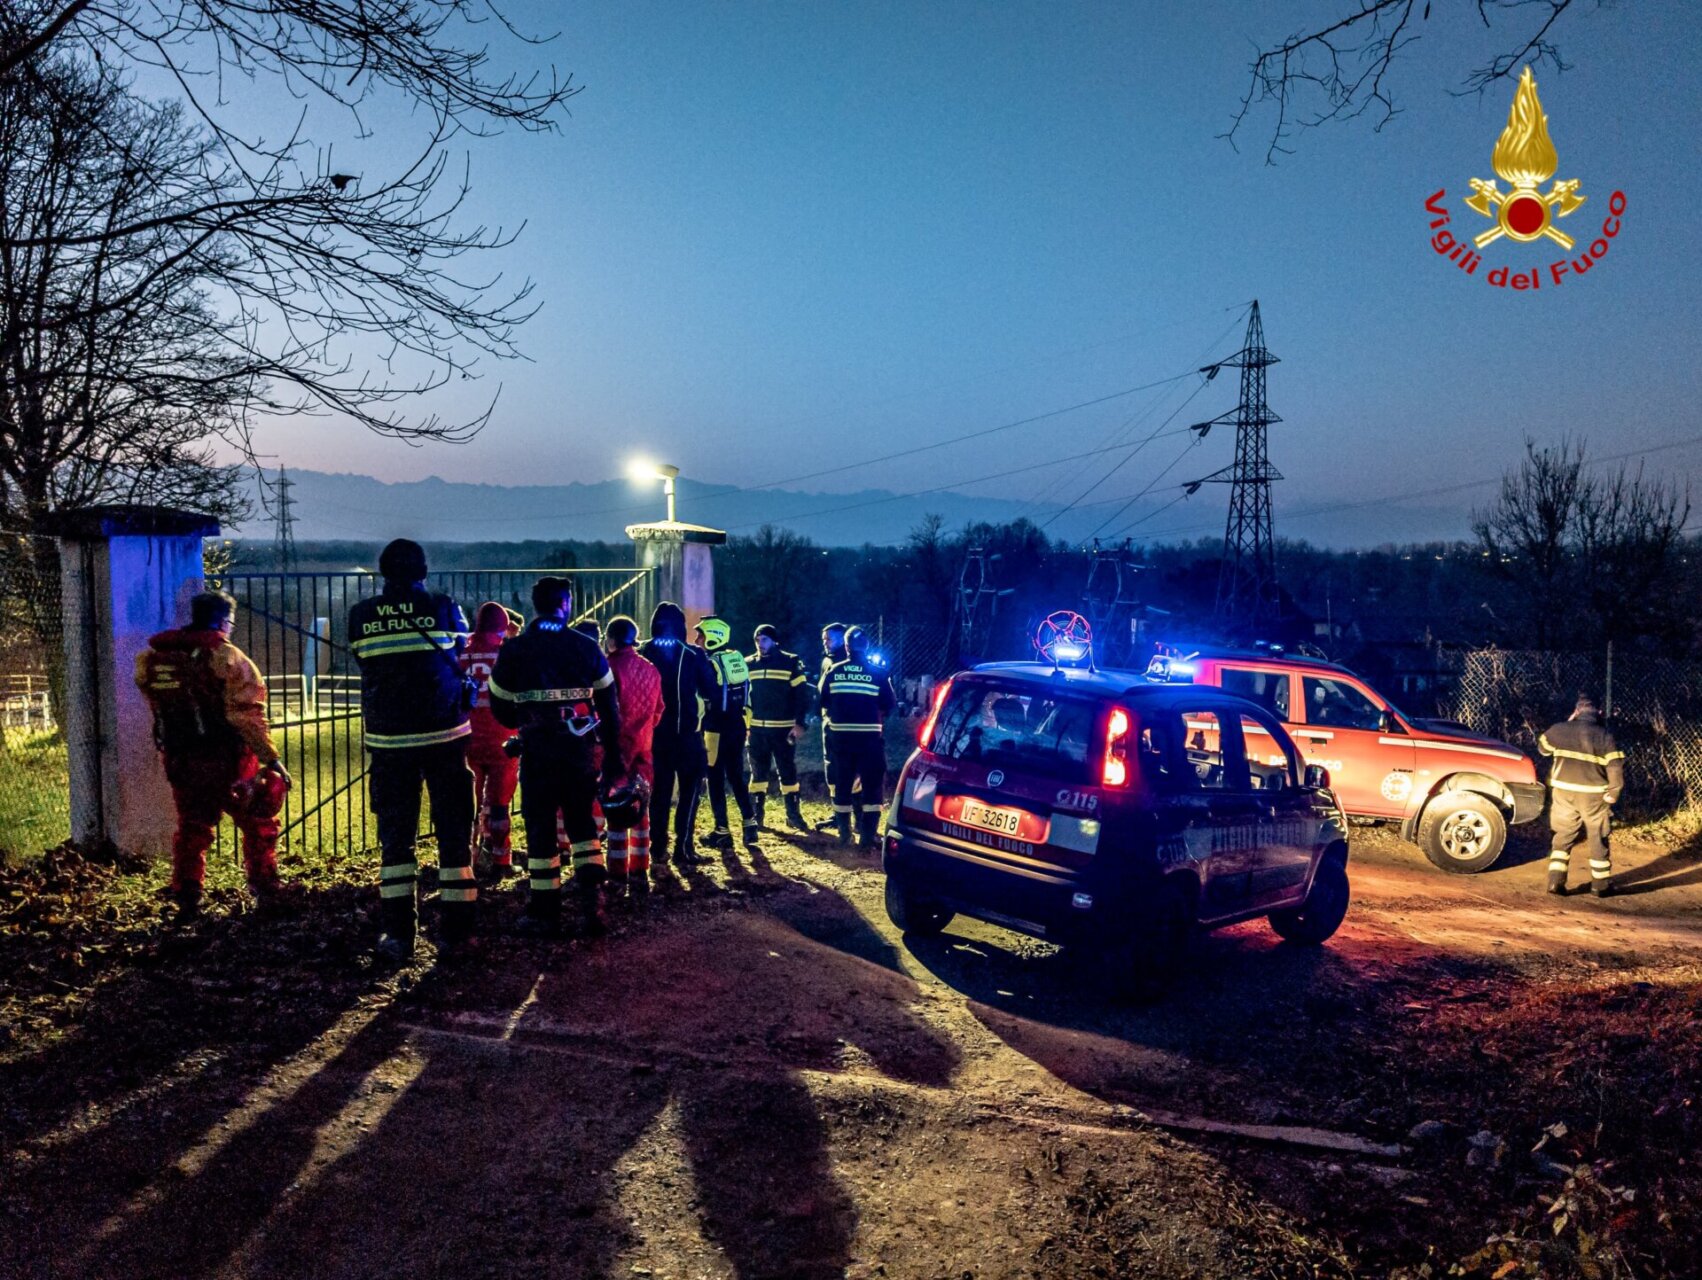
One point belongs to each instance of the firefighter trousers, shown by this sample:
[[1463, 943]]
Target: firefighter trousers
[[859, 770], [396, 774], [558, 779], [680, 761], [773, 749], [1575, 818], [200, 789], [725, 752]]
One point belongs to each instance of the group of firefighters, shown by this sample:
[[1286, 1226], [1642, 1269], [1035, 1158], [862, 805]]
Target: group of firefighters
[[606, 737]]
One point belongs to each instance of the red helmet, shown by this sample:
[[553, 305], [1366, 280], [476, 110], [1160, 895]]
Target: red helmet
[[261, 796], [624, 806]]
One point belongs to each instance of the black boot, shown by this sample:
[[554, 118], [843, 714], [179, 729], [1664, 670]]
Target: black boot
[[869, 829], [842, 828], [795, 813], [1557, 882], [759, 806], [720, 839], [591, 921], [1601, 887], [750, 833]]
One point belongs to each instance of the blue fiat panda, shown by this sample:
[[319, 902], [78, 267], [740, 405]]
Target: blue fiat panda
[[1095, 810]]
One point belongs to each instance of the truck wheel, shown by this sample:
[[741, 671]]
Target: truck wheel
[[911, 914], [1321, 914], [1462, 831], [1144, 967]]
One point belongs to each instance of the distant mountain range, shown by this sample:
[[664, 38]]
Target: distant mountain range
[[331, 507]]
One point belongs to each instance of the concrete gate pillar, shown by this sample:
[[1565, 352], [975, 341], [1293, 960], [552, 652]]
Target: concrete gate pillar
[[682, 556], [126, 572]]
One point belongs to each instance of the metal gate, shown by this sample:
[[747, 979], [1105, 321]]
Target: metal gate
[[295, 627]]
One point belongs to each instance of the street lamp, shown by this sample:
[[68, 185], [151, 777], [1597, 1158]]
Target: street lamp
[[641, 469]]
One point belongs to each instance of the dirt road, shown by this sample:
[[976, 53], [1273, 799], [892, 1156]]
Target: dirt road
[[755, 1076]]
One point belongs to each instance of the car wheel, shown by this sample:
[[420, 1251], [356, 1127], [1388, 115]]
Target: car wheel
[[1145, 966], [1462, 831], [913, 915], [1323, 911]]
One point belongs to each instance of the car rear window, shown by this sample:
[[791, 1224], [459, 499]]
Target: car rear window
[[1018, 728]]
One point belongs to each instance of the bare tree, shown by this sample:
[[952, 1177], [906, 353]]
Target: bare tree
[[1341, 69], [116, 370], [1630, 532], [1584, 559], [317, 268]]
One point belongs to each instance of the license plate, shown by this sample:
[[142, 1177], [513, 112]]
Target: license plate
[[1016, 824]]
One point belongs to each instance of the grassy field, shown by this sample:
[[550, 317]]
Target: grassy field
[[35, 801]]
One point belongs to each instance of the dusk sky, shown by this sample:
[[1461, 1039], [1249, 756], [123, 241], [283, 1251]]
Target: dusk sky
[[773, 239]]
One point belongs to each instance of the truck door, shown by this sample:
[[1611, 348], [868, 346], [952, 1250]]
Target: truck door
[[1368, 754]]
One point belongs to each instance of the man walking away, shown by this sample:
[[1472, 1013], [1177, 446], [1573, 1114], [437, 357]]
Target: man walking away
[[209, 706], [638, 689], [688, 684], [724, 731], [1584, 783], [856, 700], [780, 703], [415, 701], [495, 772], [553, 684]]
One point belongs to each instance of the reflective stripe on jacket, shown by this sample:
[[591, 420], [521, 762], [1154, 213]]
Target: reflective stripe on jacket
[[407, 641], [855, 699], [1586, 761], [780, 693]]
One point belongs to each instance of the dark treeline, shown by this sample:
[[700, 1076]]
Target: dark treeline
[[1563, 558]]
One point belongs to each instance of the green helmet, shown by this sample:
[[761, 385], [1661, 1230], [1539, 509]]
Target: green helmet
[[716, 633]]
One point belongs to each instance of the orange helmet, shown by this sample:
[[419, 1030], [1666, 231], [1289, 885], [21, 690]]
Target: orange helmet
[[261, 796]]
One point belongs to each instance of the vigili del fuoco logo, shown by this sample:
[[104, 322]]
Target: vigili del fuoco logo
[[1524, 158]]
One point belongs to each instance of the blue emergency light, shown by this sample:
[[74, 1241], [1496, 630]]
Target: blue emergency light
[[1065, 639]]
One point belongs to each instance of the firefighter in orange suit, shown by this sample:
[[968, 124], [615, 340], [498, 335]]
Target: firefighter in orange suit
[[1584, 783], [209, 706]]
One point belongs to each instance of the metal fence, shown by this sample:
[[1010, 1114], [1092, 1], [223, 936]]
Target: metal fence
[[1653, 707], [295, 628], [35, 806]]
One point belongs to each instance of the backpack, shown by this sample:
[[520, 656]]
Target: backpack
[[188, 701]]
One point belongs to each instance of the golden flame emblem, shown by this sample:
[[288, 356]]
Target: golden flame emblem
[[1525, 157]]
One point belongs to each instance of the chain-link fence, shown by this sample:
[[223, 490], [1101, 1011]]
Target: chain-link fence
[[35, 804], [1653, 708]]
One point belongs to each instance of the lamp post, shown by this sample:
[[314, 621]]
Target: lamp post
[[665, 472]]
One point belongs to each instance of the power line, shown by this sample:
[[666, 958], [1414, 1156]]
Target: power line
[[940, 488], [1440, 490]]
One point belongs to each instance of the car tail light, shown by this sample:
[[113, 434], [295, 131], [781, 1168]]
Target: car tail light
[[1114, 770], [926, 738]]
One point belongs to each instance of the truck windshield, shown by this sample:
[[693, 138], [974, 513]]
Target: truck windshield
[[1017, 727]]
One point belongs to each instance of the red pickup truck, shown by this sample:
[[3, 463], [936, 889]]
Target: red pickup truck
[[1453, 791]]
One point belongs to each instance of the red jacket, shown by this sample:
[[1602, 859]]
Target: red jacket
[[206, 694], [478, 659], [638, 685]]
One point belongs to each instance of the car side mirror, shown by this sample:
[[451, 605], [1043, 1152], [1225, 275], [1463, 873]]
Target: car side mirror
[[1317, 777], [1385, 722]]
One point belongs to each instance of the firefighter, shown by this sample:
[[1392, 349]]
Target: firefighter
[[209, 706], [495, 772], [856, 700], [415, 700], [724, 728], [688, 683], [780, 703], [832, 651], [638, 689], [554, 686], [1584, 783]]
